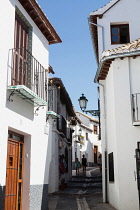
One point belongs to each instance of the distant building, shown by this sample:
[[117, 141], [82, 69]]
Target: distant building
[[116, 42], [26, 34], [60, 117], [86, 139]]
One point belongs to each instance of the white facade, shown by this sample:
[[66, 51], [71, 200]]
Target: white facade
[[118, 76], [19, 116], [116, 12], [60, 114], [119, 135], [86, 142]]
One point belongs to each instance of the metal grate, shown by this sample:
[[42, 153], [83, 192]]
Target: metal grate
[[25, 70], [136, 107]]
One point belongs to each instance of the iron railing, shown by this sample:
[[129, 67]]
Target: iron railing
[[136, 107], [26, 70]]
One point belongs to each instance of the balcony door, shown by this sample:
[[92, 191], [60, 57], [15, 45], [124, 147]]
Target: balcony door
[[14, 173], [20, 67]]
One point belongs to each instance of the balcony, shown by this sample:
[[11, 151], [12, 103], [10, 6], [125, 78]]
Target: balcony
[[136, 108], [69, 132], [61, 126], [27, 78]]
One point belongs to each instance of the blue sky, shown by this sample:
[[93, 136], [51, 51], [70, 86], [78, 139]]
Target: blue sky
[[73, 60]]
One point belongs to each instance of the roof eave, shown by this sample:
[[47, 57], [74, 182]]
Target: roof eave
[[64, 93], [42, 22], [105, 8], [94, 36], [105, 62]]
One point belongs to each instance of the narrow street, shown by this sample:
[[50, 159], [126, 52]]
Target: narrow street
[[82, 193]]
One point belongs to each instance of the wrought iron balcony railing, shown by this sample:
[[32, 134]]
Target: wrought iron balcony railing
[[24, 69], [136, 107]]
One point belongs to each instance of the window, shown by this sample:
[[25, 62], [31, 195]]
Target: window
[[95, 129], [120, 34], [87, 136], [111, 167]]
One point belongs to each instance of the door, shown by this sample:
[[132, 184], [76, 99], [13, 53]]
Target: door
[[20, 66], [95, 153], [14, 171]]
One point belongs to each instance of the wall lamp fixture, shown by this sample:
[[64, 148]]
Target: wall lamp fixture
[[83, 104]]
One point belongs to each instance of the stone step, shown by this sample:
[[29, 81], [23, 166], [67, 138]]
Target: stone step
[[87, 177], [77, 191], [85, 185], [86, 180]]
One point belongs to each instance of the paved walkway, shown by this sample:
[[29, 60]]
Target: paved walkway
[[78, 203], [90, 172], [82, 193]]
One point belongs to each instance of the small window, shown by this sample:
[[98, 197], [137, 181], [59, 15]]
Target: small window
[[120, 34], [111, 167], [95, 129], [87, 136]]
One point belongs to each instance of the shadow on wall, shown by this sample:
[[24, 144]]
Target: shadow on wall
[[20, 107], [44, 205], [2, 194], [90, 152]]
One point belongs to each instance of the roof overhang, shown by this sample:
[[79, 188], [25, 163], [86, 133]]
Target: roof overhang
[[64, 96], [93, 16], [106, 61], [40, 19], [93, 119], [87, 128], [94, 35]]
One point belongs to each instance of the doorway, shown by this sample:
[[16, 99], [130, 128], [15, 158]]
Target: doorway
[[95, 154], [14, 172]]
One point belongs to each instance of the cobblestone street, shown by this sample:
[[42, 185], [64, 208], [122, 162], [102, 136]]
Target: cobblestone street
[[82, 193]]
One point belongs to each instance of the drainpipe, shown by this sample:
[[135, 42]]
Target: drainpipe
[[89, 22], [105, 152], [105, 199]]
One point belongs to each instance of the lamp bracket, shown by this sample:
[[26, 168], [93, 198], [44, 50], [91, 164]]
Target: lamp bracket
[[93, 112], [11, 94], [37, 109]]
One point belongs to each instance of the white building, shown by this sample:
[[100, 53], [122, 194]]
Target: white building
[[60, 116], [26, 34], [118, 75], [86, 139]]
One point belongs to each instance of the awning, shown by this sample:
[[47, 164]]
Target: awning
[[27, 95], [53, 114]]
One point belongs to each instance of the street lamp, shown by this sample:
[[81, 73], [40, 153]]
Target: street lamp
[[83, 104]]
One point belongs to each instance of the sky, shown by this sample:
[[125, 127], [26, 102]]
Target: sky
[[73, 60]]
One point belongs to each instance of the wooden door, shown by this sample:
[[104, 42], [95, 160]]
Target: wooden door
[[95, 153], [20, 70], [14, 177]]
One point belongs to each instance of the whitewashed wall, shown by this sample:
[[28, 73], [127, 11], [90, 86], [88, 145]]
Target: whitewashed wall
[[87, 148], [19, 115], [121, 136], [124, 11]]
